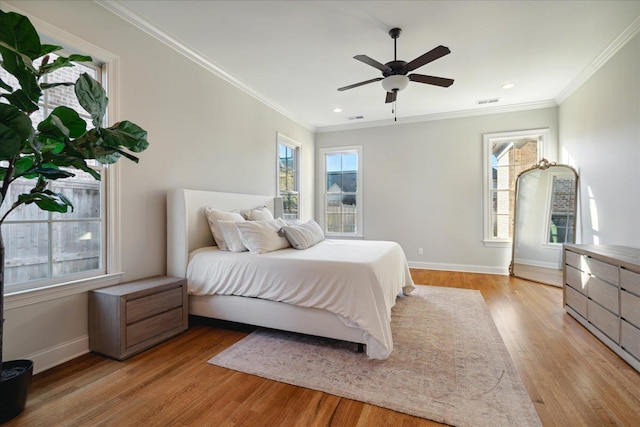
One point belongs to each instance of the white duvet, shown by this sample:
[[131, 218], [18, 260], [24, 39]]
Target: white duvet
[[357, 280]]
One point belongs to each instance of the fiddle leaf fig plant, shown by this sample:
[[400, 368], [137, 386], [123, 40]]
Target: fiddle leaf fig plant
[[62, 141]]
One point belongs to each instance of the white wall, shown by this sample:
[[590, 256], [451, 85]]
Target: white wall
[[600, 134], [423, 186], [203, 134]]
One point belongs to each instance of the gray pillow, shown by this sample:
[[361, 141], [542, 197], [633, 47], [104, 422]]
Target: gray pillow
[[303, 236]]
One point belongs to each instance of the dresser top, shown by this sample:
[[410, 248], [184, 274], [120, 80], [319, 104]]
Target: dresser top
[[621, 255]]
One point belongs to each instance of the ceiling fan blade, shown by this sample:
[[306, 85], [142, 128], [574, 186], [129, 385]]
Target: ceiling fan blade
[[360, 84], [430, 80], [432, 55], [391, 97], [373, 63]]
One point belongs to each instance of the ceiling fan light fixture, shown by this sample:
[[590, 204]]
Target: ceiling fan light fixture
[[395, 83]]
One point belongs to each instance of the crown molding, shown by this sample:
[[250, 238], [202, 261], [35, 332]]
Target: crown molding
[[597, 63], [123, 12], [481, 111]]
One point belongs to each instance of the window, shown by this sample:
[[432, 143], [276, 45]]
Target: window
[[561, 210], [289, 176], [79, 250], [341, 209], [505, 156], [46, 247]]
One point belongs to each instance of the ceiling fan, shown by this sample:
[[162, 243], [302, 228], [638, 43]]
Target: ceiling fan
[[394, 73]]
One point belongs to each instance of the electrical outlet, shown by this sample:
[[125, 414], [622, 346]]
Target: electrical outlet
[[420, 251]]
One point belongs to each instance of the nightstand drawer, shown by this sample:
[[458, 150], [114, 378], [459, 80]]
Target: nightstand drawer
[[151, 305], [602, 270], [576, 279], [630, 308], [603, 293], [576, 300], [630, 280], [604, 320], [153, 326], [573, 259], [630, 339]]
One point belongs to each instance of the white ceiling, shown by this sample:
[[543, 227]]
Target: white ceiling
[[293, 55]]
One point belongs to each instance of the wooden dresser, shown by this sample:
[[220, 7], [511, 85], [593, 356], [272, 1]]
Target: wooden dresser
[[128, 318], [602, 292]]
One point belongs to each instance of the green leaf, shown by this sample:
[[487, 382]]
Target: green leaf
[[52, 85], [18, 34], [61, 62], [93, 98], [21, 100], [23, 72], [63, 121], [17, 120], [53, 172], [70, 161], [22, 165], [46, 200], [126, 134], [5, 86], [15, 130], [48, 48]]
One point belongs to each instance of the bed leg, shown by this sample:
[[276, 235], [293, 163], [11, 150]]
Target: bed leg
[[360, 348]]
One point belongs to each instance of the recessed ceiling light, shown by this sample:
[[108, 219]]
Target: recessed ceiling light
[[508, 85], [337, 110]]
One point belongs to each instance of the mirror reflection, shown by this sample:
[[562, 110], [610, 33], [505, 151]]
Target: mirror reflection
[[545, 218]]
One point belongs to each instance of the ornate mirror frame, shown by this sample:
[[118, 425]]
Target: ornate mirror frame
[[542, 273]]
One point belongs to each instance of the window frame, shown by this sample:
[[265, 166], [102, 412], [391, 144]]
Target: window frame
[[542, 135], [322, 190], [111, 272], [297, 148]]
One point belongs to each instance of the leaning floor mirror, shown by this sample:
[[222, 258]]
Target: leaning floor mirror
[[544, 219]]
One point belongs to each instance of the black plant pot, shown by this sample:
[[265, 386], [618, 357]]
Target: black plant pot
[[14, 387]]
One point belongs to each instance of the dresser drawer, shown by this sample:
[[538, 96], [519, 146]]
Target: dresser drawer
[[630, 281], [602, 270], [576, 300], [603, 293], [604, 320], [630, 308], [151, 305], [576, 279], [573, 259], [630, 339], [152, 326]]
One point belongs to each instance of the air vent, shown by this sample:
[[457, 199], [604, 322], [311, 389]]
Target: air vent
[[356, 117], [487, 101]]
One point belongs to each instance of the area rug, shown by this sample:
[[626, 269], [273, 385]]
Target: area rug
[[449, 363]]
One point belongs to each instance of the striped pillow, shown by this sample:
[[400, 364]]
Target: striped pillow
[[303, 236]]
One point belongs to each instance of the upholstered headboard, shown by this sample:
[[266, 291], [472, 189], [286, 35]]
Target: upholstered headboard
[[187, 227]]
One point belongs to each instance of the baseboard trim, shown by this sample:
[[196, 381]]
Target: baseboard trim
[[459, 267], [58, 354]]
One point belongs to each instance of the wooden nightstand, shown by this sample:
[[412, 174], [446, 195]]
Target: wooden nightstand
[[128, 318]]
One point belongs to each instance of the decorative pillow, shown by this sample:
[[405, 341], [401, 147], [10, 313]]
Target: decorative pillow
[[258, 214], [303, 236], [262, 236], [213, 216], [231, 236]]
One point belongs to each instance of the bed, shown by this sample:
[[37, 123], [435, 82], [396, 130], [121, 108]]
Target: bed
[[361, 315]]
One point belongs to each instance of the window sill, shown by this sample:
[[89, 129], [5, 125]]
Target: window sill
[[48, 293], [345, 236], [497, 243]]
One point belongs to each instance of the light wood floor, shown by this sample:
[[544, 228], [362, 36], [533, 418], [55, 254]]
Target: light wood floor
[[571, 377]]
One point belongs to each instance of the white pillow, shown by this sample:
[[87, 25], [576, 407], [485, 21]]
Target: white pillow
[[305, 235], [258, 214], [213, 216], [262, 236], [231, 236]]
